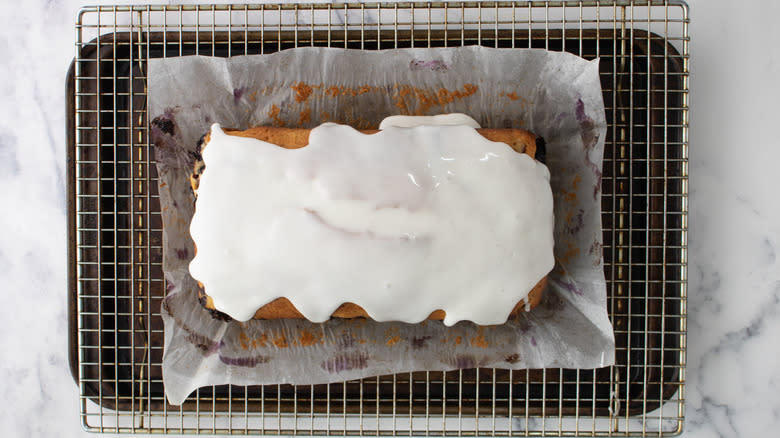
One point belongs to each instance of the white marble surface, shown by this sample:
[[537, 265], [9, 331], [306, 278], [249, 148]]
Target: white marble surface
[[734, 306]]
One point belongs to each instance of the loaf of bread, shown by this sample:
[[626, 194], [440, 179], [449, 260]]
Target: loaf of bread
[[292, 138]]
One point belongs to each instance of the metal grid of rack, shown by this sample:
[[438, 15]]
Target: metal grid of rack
[[115, 273]]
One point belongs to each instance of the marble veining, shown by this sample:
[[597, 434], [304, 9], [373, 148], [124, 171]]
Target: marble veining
[[734, 290]]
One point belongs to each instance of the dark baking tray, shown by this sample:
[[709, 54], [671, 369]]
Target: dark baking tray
[[643, 206]]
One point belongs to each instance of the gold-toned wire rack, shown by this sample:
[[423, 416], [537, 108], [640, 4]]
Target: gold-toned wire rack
[[115, 252]]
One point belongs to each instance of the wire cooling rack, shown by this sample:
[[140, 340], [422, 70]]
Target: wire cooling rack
[[115, 251]]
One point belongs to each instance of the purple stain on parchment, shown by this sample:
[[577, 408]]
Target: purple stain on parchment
[[419, 342], [554, 302], [463, 361], [346, 362], [166, 123], [169, 285], [512, 358], [182, 253], [589, 139], [574, 226], [345, 341], [166, 138], [595, 251], [579, 112], [206, 345], [533, 341], [435, 65], [523, 325], [162, 136], [166, 306], [569, 285], [246, 362], [238, 93]]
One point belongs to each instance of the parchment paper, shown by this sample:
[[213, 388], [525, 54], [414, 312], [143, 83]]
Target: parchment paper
[[555, 95]]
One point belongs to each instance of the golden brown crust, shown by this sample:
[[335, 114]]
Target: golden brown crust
[[282, 308], [293, 138]]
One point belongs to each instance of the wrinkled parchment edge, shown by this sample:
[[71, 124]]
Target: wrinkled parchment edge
[[201, 350]]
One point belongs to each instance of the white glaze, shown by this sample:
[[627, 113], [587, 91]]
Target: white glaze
[[452, 119], [402, 222]]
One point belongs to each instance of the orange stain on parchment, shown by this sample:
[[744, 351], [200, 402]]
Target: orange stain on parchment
[[305, 115], [479, 340], [458, 340], [302, 91], [570, 196], [245, 342], [446, 96], [425, 99], [273, 113], [576, 182], [513, 96], [306, 338], [260, 342], [280, 341], [407, 99], [571, 251], [392, 336], [356, 122], [336, 91]]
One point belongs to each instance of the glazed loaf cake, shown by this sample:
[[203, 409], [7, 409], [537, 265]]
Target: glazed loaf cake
[[521, 141]]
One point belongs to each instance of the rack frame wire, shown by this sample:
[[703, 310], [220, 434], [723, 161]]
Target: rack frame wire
[[115, 279]]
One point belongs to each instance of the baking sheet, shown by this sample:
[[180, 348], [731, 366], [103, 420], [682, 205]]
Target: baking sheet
[[556, 95]]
